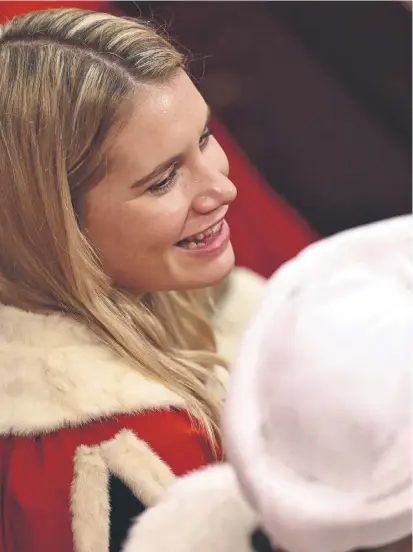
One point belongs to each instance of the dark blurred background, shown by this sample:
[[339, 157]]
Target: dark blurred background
[[318, 95]]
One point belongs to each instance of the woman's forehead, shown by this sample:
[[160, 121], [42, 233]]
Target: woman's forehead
[[163, 120]]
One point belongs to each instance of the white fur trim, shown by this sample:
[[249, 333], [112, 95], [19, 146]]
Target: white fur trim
[[134, 463], [244, 292], [55, 373], [90, 501], [219, 386], [202, 512], [241, 296]]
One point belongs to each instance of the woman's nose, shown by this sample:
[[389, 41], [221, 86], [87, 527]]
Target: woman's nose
[[219, 192]]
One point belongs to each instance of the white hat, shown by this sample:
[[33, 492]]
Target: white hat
[[203, 511], [318, 415]]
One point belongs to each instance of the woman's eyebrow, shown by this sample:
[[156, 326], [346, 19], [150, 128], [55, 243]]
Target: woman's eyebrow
[[165, 165], [157, 171]]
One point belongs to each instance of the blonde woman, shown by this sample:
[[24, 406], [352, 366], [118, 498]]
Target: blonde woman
[[113, 204]]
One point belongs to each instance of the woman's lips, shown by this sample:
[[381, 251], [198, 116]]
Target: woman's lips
[[212, 241]]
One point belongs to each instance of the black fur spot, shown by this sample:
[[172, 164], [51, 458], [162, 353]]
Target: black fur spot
[[260, 542], [124, 508]]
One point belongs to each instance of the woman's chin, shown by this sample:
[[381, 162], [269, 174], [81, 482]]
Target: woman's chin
[[179, 278], [210, 273], [181, 271]]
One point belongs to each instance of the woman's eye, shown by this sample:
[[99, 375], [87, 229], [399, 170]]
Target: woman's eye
[[167, 183], [164, 185], [203, 142]]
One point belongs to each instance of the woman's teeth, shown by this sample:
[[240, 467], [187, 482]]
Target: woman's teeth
[[199, 240]]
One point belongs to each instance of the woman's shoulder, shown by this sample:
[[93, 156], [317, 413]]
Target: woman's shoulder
[[54, 373], [86, 442]]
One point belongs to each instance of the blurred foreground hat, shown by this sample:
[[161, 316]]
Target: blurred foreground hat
[[318, 415]]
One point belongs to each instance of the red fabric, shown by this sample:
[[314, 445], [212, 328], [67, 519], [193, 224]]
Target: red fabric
[[36, 474], [265, 230], [11, 9]]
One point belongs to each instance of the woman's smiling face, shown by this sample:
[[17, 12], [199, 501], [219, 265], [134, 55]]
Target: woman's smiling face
[[167, 181]]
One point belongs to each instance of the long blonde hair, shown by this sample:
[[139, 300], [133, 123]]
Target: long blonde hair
[[66, 76]]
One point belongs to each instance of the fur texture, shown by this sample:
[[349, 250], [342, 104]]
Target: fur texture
[[90, 501], [55, 373], [202, 512], [238, 301], [134, 463]]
